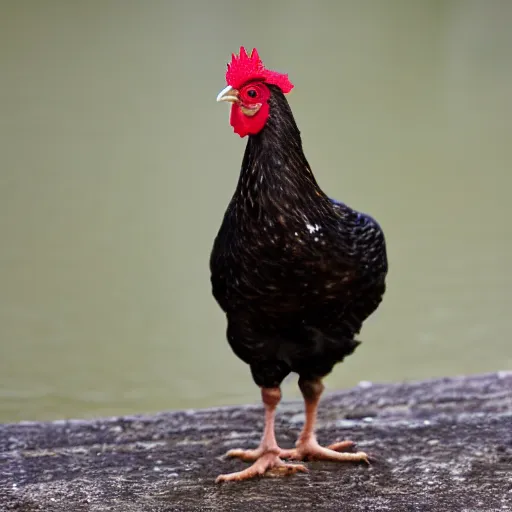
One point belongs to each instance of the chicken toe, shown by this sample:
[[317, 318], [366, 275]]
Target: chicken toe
[[268, 464]]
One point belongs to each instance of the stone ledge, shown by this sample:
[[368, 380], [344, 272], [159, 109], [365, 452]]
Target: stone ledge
[[439, 445]]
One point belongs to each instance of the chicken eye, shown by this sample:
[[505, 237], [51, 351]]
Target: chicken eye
[[252, 93]]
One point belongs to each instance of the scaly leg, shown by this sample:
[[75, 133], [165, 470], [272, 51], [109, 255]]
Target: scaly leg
[[307, 446], [266, 456]]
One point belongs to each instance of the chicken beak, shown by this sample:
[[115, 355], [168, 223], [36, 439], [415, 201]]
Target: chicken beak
[[228, 94]]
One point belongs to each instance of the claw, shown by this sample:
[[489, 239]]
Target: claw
[[245, 455], [311, 450], [268, 464], [342, 446]]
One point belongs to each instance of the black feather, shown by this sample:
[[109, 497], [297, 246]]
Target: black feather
[[295, 272]]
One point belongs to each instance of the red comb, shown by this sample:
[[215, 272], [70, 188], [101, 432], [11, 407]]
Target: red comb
[[243, 68]]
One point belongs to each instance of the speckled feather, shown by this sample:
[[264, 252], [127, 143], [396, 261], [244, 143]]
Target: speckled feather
[[295, 272]]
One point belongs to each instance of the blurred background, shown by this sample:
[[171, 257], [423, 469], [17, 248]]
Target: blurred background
[[116, 166]]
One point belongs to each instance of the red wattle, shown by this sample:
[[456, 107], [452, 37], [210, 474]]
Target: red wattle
[[248, 125]]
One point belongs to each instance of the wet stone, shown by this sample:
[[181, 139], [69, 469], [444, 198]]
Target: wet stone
[[443, 444]]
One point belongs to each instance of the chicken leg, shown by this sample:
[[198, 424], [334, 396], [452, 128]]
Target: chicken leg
[[266, 456], [307, 447]]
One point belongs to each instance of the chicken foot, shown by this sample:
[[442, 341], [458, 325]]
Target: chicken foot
[[307, 447], [267, 456]]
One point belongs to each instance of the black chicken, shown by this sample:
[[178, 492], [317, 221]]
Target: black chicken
[[295, 272]]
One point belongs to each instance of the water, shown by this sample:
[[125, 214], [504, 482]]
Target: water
[[116, 165]]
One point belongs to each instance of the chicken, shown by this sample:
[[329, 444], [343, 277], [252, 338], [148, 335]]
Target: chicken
[[295, 272]]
